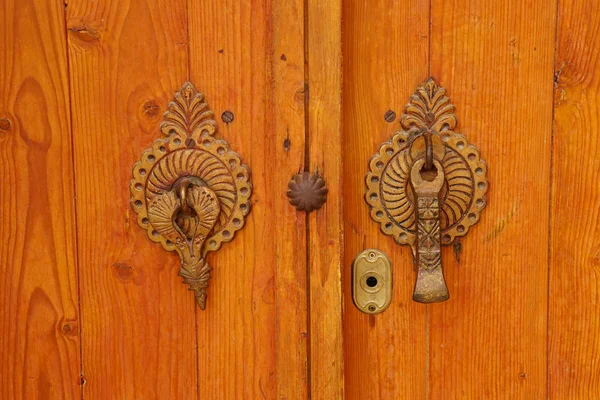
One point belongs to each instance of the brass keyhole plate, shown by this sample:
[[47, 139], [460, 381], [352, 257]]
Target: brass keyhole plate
[[372, 281]]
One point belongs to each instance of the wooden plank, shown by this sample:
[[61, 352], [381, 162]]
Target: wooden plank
[[39, 331], [496, 61], [385, 59], [574, 368], [288, 69], [248, 58], [324, 124], [126, 61]]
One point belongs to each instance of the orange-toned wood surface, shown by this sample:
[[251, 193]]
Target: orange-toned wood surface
[[489, 340], [252, 339], [91, 308], [385, 58], [138, 320], [324, 131], [496, 61], [574, 368], [39, 322]]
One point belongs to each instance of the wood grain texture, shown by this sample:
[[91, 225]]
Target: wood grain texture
[[249, 59], [496, 61], [574, 359], [127, 59], [385, 59], [324, 127], [39, 328]]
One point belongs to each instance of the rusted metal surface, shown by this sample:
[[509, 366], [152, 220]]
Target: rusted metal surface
[[430, 286], [427, 140], [190, 190]]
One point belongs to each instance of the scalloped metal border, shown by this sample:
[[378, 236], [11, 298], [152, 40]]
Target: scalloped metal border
[[398, 143], [204, 141]]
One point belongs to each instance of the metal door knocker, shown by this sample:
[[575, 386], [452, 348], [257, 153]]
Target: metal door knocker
[[427, 185], [190, 190]]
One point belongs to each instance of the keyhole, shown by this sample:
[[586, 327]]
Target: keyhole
[[371, 281]]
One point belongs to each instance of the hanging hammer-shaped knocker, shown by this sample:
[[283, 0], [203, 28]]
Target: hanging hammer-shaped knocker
[[426, 186], [430, 285]]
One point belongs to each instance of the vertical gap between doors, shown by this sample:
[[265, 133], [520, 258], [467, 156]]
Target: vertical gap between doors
[[76, 230], [307, 218], [550, 187]]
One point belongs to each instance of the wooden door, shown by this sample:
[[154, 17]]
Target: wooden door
[[93, 309], [522, 318]]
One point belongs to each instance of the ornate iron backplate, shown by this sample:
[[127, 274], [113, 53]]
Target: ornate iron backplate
[[390, 193], [190, 190]]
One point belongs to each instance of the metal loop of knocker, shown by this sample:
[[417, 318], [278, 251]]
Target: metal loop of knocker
[[185, 208], [428, 151]]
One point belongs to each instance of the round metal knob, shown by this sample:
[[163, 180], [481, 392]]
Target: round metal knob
[[307, 191]]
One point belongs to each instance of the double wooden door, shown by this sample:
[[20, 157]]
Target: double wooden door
[[92, 309]]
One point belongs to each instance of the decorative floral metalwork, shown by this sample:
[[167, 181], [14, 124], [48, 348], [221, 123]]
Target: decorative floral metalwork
[[190, 190], [389, 192]]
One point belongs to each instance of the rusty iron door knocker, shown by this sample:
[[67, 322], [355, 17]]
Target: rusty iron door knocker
[[427, 185], [190, 190]]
